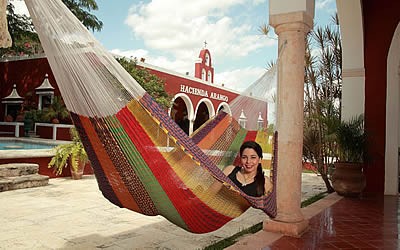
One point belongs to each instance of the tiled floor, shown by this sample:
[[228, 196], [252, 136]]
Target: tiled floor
[[368, 222]]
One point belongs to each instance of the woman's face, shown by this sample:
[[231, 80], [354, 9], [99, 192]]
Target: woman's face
[[250, 160]]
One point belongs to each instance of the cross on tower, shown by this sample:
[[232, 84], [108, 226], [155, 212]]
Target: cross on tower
[[205, 44]]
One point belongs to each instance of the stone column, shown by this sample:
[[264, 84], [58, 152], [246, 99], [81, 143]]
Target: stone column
[[291, 29]]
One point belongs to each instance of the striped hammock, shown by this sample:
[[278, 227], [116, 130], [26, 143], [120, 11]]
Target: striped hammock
[[142, 160]]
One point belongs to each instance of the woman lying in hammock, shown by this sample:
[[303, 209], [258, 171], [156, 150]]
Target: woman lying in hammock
[[249, 177]]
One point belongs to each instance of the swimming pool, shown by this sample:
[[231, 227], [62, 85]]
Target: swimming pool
[[11, 147], [17, 145]]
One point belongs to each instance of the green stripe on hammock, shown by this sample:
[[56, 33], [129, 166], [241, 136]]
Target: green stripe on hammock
[[152, 186], [234, 147]]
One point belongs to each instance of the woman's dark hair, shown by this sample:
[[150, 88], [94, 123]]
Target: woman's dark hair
[[259, 178]]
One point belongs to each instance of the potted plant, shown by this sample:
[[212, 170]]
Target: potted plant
[[30, 117], [348, 178], [73, 154]]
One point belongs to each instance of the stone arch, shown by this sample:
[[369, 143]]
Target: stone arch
[[225, 107], [204, 111], [182, 111], [188, 103]]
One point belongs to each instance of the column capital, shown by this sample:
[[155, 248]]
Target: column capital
[[292, 21]]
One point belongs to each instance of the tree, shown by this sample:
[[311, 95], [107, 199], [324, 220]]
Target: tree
[[24, 38], [22, 32], [81, 9], [322, 97], [150, 82]]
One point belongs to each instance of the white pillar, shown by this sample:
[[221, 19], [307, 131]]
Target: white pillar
[[191, 123], [353, 72]]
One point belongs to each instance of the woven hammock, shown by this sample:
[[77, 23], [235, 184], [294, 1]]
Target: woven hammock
[[142, 160]]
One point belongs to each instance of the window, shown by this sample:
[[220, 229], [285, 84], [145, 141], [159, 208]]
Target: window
[[45, 101], [207, 61]]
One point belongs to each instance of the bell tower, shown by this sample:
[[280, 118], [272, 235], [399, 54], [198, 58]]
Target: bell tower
[[203, 66]]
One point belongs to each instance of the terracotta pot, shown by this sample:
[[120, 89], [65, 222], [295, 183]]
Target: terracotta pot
[[348, 179], [9, 118], [55, 121], [77, 175], [20, 118]]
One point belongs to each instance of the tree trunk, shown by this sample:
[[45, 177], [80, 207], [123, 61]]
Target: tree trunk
[[324, 175], [328, 185]]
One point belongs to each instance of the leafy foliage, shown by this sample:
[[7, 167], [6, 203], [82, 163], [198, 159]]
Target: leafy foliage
[[81, 9], [150, 82], [24, 37], [56, 110], [74, 152], [351, 139], [322, 97]]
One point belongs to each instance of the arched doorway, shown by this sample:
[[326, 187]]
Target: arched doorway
[[224, 107], [179, 113], [202, 116]]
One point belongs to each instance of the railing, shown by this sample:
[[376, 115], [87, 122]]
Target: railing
[[54, 127], [54, 131], [16, 129]]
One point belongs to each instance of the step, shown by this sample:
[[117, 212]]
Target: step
[[18, 169], [25, 181], [32, 134]]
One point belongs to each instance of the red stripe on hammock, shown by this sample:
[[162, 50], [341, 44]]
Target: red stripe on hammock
[[251, 136], [108, 167], [198, 216]]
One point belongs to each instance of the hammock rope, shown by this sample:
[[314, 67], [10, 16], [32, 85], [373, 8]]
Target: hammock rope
[[141, 158]]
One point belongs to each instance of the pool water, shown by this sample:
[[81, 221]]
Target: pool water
[[15, 145]]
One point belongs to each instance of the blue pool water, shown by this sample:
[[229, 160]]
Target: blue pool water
[[15, 145]]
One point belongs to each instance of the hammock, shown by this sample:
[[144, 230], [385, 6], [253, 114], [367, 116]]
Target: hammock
[[141, 159]]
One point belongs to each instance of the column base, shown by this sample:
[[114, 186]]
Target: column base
[[294, 229]]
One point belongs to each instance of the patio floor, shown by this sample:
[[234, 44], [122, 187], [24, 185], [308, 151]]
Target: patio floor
[[368, 222]]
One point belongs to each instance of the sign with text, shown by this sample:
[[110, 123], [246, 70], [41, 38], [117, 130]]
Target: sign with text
[[204, 93]]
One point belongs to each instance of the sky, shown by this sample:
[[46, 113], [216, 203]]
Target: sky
[[171, 33]]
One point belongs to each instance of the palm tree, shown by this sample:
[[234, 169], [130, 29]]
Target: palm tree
[[322, 98], [81, 10]]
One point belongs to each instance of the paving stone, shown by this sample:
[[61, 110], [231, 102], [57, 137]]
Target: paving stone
[[73, 214]]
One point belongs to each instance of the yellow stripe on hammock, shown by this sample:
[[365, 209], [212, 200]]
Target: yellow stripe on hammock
[[195, 177]]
